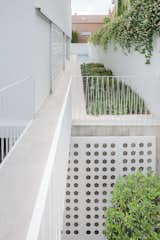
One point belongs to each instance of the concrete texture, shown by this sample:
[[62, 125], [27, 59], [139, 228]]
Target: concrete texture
[[78, 99], [38, 161], [121, 131], [25, 41]]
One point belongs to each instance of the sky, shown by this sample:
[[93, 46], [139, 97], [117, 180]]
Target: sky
[[90, 6]]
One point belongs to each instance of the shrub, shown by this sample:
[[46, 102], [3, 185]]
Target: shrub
[[74, 37], [95, 65], [94, 69], [135, 209]]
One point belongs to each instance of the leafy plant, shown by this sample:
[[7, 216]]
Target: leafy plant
[[74, 37], [94, 69], [134, 29], [135, 209], [121, 7], [106, 20]]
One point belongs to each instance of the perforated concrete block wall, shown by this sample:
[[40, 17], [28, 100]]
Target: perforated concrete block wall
[[94, 165]]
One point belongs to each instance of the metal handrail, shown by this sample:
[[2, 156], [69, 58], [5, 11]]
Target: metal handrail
[[112, 95]]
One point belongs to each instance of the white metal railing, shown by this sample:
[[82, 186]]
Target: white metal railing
[[8, 138], [16, 110], [112, 95]]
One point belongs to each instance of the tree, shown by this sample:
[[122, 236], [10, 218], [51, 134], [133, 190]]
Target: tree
[[74, 37]]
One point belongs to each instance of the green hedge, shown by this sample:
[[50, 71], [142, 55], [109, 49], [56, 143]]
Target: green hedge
[[135, 210], [74, 37], [94, 69]]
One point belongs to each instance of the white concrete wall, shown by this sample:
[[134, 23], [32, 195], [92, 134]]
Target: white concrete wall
[[25, 42], [52, 221], [147, 77], [24, 47], [17, 46], [59, 11], [79, 48], [32, 179], [41, 55], [17, 103]]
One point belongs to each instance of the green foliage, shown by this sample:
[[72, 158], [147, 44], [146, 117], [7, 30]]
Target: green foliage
[[134, 29], [135, 209], [108, 86], [106, 20], [74, 37], [122, 6], [94, 69]]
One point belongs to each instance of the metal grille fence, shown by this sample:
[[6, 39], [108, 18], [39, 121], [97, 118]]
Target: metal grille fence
[[17, 102], [8, 138], [94, 165], [110, 95]]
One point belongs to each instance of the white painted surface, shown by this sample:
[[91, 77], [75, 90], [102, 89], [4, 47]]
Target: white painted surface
[[25, 42], [78, 99], [24, 47], [116, 120], [41, 56], [59, 11], [52, 222], [17, 45], [57, 54], [26, 174], [95, 164], [79, 48], [147, 77], [15, 105]]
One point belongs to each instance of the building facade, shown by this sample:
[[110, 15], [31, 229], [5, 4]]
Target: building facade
[[85, 25], [34, 34], [66, 135]]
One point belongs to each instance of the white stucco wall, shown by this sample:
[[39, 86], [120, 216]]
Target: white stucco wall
[[59, 11], [147, 77], [79, 48], [41, 70], [16, 24], [36, 169], [25, 42]]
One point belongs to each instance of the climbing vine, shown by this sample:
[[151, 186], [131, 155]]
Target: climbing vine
[[134, 29], [121, 7]]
